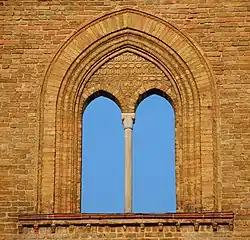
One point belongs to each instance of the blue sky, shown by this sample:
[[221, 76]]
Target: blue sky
[[153, 157]]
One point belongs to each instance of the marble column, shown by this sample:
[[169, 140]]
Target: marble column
[[128, 121]]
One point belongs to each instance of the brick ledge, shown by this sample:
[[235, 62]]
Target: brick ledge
[[70, 220], [79, 216]]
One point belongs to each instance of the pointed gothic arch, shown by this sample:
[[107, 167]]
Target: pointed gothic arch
[[84, 66]]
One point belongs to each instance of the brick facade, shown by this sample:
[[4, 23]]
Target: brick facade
[[57, 56]]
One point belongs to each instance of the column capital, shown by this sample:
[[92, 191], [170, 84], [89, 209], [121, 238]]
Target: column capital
[[128, 120]]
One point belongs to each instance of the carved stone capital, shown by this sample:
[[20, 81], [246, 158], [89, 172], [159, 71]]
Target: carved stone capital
[[128, 120]]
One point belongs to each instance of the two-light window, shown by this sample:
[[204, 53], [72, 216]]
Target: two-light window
[[153, 151]]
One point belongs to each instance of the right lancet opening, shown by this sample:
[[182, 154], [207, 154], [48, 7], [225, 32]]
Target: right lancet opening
[[154, 181]]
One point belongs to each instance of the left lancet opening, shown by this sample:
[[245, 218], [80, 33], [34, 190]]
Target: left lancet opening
[[102, 185]]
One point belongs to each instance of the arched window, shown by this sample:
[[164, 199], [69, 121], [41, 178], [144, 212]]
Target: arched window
[[153, 151], [102, 158], [154, 187], [70, 79]]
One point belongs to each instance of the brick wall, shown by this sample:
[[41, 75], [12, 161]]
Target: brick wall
[[31, 32]]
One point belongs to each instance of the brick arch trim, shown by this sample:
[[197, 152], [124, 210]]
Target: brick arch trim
[[64, 95]]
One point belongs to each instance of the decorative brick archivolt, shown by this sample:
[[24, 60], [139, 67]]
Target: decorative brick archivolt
[[126, 56]]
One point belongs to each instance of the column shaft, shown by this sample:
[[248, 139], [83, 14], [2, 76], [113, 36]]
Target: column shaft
[[128, 170], [128, 120]]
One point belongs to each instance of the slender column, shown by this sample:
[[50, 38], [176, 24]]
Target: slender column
[[128, 121]]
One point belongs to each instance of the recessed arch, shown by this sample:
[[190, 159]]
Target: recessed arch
[[188, 81]]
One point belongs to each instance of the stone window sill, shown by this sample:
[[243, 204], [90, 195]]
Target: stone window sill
[[177, 220]]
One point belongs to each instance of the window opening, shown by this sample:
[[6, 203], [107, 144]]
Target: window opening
[[102, 158], [154, 188]]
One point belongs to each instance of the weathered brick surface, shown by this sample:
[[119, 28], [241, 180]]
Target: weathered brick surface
[[32, 32]]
